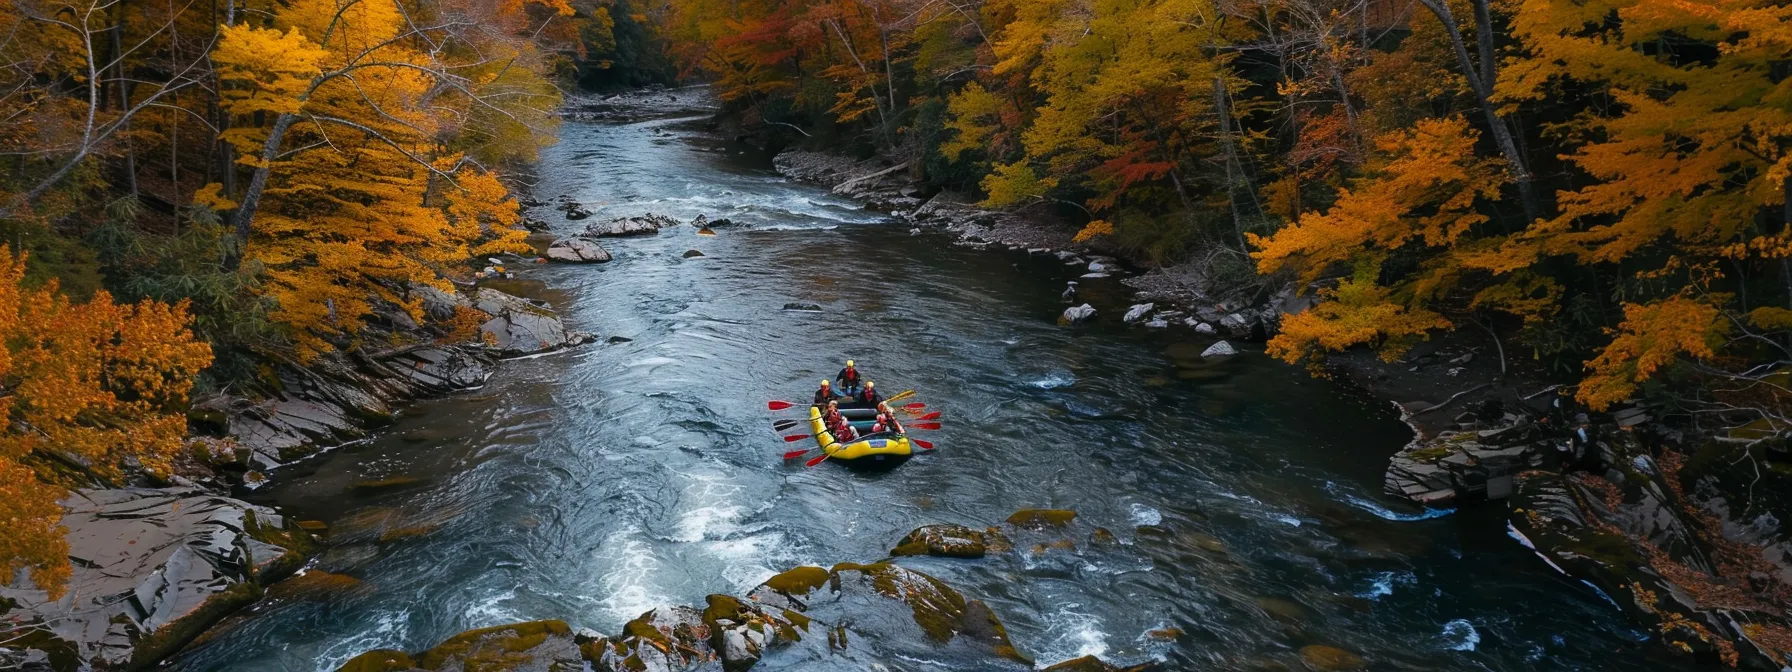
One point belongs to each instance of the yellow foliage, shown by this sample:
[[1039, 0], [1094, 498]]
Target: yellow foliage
[[94, 383], [369, 200], [1425, 191], [1090, 231], [1652, 336], [1356, 312]]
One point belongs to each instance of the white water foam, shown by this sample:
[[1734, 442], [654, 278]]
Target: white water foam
[[1074, 634], [1143, 516], [627, 590], [706, 522], [1460, 635], [390, 631], [491, 611], [652, 362], [1380, 511], [1382, 585], [1054, 380]]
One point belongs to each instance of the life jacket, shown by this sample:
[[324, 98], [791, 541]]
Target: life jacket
[[885, 423], [823, 395], [849, 375], [844, 433], [870, 397]]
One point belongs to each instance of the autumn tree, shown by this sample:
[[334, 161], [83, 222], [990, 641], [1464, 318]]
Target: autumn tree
[[84, 388], [376, 166]]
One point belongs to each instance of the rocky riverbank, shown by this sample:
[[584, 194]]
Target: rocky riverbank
[[1684, 532], [156, 564]]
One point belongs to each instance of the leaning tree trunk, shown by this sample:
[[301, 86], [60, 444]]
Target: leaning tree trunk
[[1480, 83]]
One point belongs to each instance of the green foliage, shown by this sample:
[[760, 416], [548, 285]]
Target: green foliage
[[229, 309]]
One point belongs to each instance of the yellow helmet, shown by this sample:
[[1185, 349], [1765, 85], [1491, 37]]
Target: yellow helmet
[[869, 384], [824, 382], [849, 362]]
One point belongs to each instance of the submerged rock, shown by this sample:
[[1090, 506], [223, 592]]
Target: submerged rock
[[1218, 349], [803, 306], [1039, 519], [1076, 315], [577, 250], [1322, 658], [692, 253], [152, 569]]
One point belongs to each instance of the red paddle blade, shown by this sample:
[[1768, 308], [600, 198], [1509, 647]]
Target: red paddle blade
[[923, 425], [782, 425], [793, 438], [925, 445], [776, 405], [816, 461], [930, 416], [796, 454]]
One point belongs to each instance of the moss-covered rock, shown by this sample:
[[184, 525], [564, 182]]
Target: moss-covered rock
[[1040, 519], [1091, 664], [946, 541], [379, 660], [546, 646]]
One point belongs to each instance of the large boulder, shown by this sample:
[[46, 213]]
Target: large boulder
[[577, 250], [152, 569], [519, 326]]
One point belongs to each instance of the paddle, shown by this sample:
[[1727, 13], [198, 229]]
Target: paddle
[[793, 438], [900, 396], [776, 405], [922, 425], [930, 416], [785, 424], [917, 406], [925, 445], [824, 457], [797, 453]]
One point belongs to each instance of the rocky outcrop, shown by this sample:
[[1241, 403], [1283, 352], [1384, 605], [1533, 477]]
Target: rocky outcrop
[[520, 326], [335, 398], [577, 250], [1467, 463], [853, 613], [1585, 527], [641, 225], [152, 569]]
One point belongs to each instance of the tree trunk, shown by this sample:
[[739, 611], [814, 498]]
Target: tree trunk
[[1231, 159], [245, 212], [124, 96], [1483, 91]]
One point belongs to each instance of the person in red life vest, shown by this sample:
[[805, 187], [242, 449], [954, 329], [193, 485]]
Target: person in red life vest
[[848, 379], [886, 421], [836, 424], [869, 395], [825, 394]]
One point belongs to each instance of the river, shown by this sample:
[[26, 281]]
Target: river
[[596, 483]]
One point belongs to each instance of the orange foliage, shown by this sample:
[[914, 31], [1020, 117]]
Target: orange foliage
[[1652, 336], [92, 384]]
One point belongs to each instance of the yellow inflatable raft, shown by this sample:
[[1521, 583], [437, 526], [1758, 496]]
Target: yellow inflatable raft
[[883, 450]]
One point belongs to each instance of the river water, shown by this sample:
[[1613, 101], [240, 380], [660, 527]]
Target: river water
[[597, 483]]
